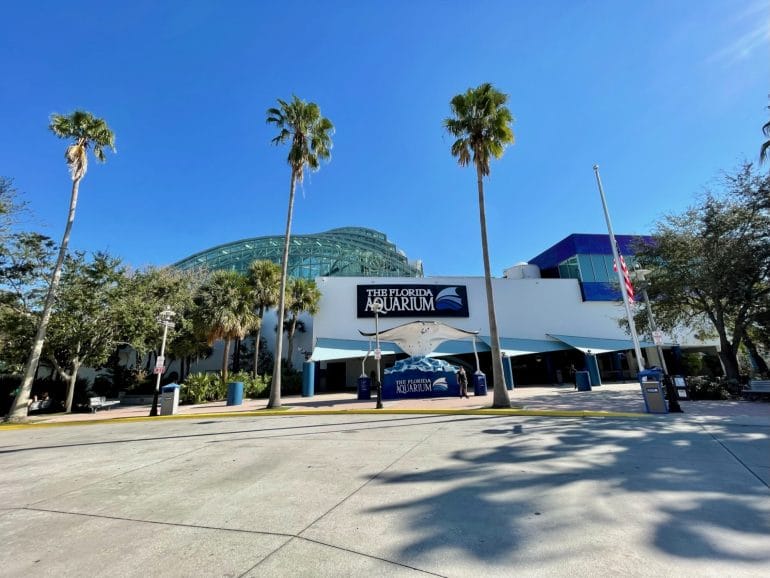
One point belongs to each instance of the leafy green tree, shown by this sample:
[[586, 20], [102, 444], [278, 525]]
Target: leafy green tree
[[25, 261], [481, 123], [264, 279], [302, 296], [85, 325], [224, 311], [308, 133], [710, 265], [86, 132]]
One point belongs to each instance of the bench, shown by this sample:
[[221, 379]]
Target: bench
[[96, 403], [757, 388]]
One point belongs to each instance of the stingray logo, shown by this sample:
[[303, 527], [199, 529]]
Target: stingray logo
[[440, 384], [448, 299]]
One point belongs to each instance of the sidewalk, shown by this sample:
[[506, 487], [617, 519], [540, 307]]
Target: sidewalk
[[606, 400]]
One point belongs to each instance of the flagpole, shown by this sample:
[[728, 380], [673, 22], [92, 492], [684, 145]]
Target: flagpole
[[618, 269]]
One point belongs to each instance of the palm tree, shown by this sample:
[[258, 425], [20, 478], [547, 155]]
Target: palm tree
[[86, 132], [302, 296], [765, 145], [300, 123], [264, 280], [482, 126], [224, 311]]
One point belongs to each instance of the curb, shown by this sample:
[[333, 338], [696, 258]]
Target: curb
[[287, 412]]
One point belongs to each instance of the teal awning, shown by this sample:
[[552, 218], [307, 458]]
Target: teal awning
[[459, 346], [514, 346], [327, 349], [599, 344]]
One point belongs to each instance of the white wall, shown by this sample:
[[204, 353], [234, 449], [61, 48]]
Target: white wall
[[526, 308]]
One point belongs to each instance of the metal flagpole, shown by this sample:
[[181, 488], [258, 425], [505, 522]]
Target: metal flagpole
[[621, 280]]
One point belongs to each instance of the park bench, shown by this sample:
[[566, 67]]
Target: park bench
[[96, 403], [756, 389]]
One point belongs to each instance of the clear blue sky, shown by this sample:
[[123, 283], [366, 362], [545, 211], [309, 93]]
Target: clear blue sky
[[662, 94]]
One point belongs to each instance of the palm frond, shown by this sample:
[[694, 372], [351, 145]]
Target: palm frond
[[86, 131]]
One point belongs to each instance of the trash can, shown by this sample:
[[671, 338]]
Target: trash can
[[169, 399], [308, 379], [651, 381], [235, 393], [364, 387], [582, 381], [479, 383]]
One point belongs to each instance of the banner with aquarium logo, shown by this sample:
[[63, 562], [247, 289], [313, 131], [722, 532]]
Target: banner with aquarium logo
[[414, 300], [406, 384]]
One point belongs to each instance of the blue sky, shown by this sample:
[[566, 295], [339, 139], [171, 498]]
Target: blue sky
[[661, 94]]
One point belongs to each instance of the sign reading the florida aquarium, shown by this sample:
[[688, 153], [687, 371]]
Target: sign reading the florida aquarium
[[420, 377], [414, 300]]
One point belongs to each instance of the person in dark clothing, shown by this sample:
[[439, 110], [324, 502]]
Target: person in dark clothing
[[462, 379]]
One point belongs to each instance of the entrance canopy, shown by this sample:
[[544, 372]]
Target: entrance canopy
[[423, 337], [514, 347], [327, 349], [599, 344]]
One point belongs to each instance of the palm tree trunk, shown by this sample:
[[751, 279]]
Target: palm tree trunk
[[18, 410], [72, 379], [500, 393], [290, 341], [275, 386], [225, 360], [257, 337]]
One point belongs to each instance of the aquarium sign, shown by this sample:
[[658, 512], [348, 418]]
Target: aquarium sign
[[413, 300]]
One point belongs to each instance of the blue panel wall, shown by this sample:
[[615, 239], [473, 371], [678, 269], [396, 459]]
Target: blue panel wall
[[600, 292], [586, 244]]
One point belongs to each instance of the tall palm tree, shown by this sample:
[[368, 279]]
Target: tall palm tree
[[308, 133], [765, 145], [85, 132], [482, 126], [224, 311], [264, 280], [302, 296]]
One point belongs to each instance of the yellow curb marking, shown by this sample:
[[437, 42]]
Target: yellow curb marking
[[300, 412]]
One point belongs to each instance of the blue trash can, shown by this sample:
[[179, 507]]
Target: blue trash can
[[364, 387], [651, 381], [308, 379], [479, 383], [235, 393], [582, 381]]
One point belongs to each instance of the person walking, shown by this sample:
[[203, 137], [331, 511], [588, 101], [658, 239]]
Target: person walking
[[462, 379]]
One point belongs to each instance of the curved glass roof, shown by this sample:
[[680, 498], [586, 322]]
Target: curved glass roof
[[344, 252]]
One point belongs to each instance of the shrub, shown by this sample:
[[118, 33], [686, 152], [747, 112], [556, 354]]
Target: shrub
[[705, 387], [199, 387]]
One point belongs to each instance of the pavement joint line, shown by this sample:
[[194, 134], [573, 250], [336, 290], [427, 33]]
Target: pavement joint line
[[342, 501], [284, 413], [739, 460], [289, 536]]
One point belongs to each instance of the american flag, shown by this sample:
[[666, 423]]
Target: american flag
[[626, 278]]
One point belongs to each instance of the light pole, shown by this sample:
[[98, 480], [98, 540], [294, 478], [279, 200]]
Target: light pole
[[165, 319], [377, 308]]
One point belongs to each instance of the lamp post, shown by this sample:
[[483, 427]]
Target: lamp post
[[165, 319], [377, 308]]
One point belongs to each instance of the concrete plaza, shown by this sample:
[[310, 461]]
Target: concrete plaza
[[389, 495]]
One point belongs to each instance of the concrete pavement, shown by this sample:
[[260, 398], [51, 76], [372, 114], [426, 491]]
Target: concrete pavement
[[383, 495]]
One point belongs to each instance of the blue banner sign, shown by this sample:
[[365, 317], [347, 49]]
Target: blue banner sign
[[407, 300], [417, 384]]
